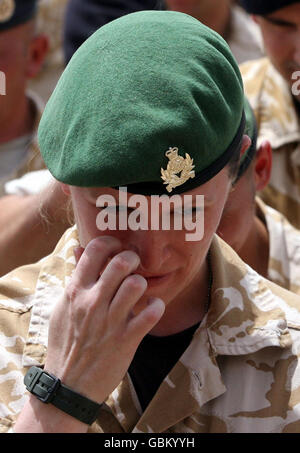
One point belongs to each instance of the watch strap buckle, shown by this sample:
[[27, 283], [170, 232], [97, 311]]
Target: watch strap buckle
[[42, 384]]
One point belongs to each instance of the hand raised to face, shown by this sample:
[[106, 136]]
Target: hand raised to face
[[93, 333]]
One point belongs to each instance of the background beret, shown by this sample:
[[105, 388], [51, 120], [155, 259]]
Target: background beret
[[84, 17], [142, 84], [262, 7], [16, 12]]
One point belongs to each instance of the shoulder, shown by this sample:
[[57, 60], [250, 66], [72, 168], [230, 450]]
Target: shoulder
[[27, 297], [18, 289], [284, 248], [271, 99], [256, 291], [245, 38]]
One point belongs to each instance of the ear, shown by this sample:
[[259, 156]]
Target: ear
[[65, 188], [38, 49], [246, 143], [263, 165]]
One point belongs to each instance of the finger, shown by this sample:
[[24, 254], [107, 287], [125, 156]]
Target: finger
[[78, 251], [126, 297], [94, 258], [121, 266], [141, 324]]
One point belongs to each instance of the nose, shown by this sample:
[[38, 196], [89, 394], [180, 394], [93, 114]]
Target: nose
[[154, 250]]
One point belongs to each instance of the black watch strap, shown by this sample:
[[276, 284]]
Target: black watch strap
[[49, 389]]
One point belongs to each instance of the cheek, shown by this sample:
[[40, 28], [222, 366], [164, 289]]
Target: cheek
[[278, 45], [237, 219], [212, 217], [85, 219]]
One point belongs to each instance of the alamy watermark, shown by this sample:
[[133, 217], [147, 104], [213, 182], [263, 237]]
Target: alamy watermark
[[2, 83], [155, 212], [296, 85]]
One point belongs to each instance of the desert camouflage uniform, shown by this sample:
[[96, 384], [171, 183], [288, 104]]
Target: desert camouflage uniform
[[278, 122], [284, 248], [33, 159], [244, 37], [241, 372]]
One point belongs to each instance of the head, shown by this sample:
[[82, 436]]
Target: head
[[22, 53], [253, 175], [213, 13], [136, 115], [194, 7], [162, 252], [84, 17], [279, 22]]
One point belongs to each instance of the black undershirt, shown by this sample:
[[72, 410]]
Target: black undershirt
[[154, 359], [297, 105]]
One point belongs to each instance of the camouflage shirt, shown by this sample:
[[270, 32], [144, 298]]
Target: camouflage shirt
[[240, 373], [284, 248], [278, 122]]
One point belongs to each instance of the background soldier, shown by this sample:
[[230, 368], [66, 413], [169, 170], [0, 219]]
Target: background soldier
[[22, 53], [261, 236], [269, 87]]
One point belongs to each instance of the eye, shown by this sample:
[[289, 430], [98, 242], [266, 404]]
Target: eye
[[121, 208], [193, 210], [282, 23]]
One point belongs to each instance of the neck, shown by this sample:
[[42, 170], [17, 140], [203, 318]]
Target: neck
[[188, 308], [255, 251], [19, 123]]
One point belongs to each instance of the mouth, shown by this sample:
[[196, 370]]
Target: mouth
[[156, 280]]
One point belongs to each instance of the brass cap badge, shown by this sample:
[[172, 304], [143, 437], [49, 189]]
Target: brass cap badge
[[177, 164], [7, 8]]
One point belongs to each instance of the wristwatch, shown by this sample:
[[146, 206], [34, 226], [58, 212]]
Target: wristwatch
[[49, 389]]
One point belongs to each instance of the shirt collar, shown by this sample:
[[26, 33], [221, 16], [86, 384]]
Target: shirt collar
[[247, 312]]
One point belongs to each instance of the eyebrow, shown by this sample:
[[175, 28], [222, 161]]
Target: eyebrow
[[279, 22]]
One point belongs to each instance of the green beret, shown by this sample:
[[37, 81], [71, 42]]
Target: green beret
[[149, 98]]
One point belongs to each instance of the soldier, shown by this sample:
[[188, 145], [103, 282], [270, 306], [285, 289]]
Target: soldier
[[22, 53], [84, 17], [261, 236], [229, 20], [149, 331], [272, 86]]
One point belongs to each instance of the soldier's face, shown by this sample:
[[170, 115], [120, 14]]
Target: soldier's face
[[13, 61], [171, 264], [281, 34], [239, 212], [21, 56], [195, 8]]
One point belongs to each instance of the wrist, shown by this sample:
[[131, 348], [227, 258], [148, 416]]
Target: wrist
[[48, 388], [37, 417]]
